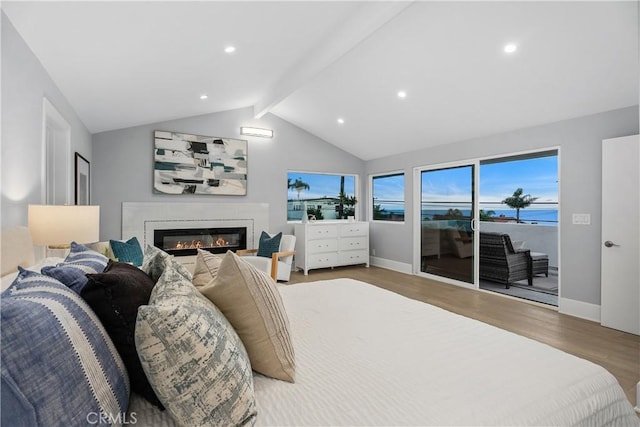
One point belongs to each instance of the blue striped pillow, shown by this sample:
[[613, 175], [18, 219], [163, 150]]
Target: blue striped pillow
[[59, 366], [80, 261]]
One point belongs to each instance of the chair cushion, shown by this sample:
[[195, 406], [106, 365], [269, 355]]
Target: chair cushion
[[58, 363], [268, 244], [193, 357], [129, 251], [206, 268], [80, 261], [250, 300], [115, 296]]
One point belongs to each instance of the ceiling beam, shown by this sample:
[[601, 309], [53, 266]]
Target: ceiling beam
[[369, 18]]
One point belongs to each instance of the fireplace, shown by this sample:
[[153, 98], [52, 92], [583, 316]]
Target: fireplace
[[182, 242]]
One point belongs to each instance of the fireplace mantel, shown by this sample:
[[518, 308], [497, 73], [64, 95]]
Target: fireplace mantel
[[141, 219]]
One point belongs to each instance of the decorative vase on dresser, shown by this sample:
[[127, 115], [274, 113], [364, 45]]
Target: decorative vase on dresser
[[331, 244]]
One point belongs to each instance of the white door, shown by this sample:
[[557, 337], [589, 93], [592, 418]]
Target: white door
[[620, 281]]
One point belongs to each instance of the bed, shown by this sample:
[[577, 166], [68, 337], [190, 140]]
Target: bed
[[367, 356]]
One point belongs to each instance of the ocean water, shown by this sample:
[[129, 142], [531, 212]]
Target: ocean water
[[530, 216]]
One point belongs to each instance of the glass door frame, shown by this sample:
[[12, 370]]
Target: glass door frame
[[417, 221]]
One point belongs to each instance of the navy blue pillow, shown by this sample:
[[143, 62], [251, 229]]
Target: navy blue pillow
[[58, 363], [80, 261], [129, 251], [269, 244]]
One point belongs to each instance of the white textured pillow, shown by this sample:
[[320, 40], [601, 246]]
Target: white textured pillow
[[206, 268], [251, 302], [192, 357]]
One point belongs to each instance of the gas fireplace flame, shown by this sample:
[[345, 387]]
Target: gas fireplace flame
[[198, 244]]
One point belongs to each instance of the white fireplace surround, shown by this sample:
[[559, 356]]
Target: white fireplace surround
[[141, 219]]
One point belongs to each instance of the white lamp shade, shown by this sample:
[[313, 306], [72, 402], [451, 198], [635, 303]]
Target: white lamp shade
[[60, 225]]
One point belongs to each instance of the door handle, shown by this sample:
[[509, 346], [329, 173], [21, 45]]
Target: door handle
[[610, 244]]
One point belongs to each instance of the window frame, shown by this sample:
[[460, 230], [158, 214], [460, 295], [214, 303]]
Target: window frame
[[389, 174], [356, 186]]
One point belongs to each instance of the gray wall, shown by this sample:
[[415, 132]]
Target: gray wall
[[580, 142], [24, 84], [123, 166]]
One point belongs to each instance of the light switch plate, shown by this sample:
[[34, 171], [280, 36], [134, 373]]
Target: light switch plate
[[582, 219]]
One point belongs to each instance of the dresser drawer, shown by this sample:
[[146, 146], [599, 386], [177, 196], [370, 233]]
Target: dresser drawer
[[355, 229], [323, 245], [354, 257], [351, 243], [323, 260], [322, 231]]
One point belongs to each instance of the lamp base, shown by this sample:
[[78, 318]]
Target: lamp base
[[57, 251]]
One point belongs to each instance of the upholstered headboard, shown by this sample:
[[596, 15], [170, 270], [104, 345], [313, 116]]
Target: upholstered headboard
[[16, 248]]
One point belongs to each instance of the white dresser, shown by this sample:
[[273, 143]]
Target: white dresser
[[331, 244]]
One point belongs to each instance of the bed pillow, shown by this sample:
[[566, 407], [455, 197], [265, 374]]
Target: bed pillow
[[268, 244], [129, 251], [251, 302], [206, 268], [58, 364], [156, 260], [115, 296], [193, 357], [80, 261], [103, 248]]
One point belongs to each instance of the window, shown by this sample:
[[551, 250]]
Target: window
[[388, 197], [325, 196]]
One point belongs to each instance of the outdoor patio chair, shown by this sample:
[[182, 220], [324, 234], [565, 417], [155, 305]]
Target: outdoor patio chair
[[499, 262]]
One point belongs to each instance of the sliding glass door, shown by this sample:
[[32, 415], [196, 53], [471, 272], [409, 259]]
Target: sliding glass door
[[446, 216]]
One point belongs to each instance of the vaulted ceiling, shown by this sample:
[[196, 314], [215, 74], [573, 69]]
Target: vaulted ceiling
[[311, 63]]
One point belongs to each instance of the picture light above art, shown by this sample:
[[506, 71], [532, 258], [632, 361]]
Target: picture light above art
[[249, 131], [196, 164]]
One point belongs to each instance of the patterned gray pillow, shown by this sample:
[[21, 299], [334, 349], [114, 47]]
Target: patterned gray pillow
[[193, 358], [155, 260]]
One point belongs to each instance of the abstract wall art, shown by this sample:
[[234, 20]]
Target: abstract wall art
[[196, 164]]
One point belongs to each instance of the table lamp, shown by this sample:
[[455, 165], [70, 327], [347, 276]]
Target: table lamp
[[56, 226]]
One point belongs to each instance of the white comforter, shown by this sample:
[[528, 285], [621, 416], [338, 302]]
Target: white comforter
[[366, 356]]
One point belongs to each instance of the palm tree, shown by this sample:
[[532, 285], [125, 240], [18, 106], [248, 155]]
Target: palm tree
[[486, 216], [518, 201], [297, 185]]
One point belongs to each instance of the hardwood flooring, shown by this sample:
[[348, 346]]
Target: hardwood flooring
[[616, 351]]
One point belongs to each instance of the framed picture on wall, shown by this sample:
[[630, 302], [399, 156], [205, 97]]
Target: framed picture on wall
[[83, 181], [197, 164]]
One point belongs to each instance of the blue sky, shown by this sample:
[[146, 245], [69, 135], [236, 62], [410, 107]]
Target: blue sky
[[320, 185], [538, 177]]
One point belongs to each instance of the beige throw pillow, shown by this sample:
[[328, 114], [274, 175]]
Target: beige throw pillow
[[206, 268], [251, 302]]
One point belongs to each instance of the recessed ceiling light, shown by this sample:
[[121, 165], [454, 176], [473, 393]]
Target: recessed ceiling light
[[341, 120], [402, 94], [510, 48], [230, 49], [204, 96]]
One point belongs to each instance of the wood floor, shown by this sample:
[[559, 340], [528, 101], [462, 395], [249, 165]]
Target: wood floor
[[616, 351]]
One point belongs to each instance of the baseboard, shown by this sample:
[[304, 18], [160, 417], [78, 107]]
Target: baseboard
[[400, 267], [583, 310]]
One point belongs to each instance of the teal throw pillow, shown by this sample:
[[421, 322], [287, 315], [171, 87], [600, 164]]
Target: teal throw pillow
[[269, 244], [129, 251]]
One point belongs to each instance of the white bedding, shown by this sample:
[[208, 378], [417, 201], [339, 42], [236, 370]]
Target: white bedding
[[366, 356]]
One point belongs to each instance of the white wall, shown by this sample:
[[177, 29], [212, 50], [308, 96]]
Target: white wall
[[24, 84], [580, 143], [123, 165]]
